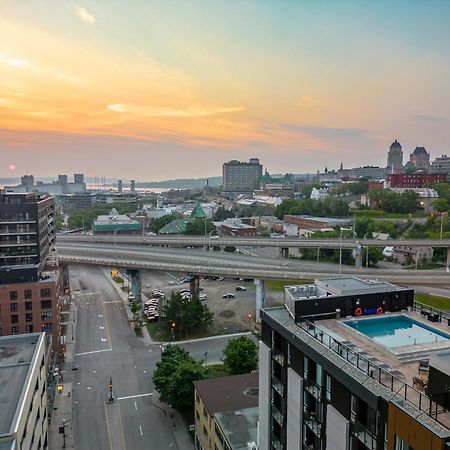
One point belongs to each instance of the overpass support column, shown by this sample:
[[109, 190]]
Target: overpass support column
[[358, 257], [260, 298], [448, 259], [135, 288], [194, 286], [284, 252]]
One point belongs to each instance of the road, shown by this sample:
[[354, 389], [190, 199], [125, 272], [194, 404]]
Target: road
[[228, 264], [106, 347]]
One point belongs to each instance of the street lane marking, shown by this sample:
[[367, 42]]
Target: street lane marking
[[140, 429], [135, 406], [107, 426], [107, 324], [104, 340], [112, 301], [94, 351], [121, 428], [89, 293], [135, 396]]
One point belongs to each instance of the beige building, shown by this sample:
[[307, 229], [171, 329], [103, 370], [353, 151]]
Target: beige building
[[23, 392], [417, 254], [226, 413]]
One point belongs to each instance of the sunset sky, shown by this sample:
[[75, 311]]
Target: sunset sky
[[158, 89]]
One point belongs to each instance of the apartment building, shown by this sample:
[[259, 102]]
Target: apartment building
[[340, 369], [23, 392], [226, 413], [241, 177], [29, 273]]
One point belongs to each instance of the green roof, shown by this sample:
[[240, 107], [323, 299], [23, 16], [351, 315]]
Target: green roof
[[177, 226], [198, 212], [116, 226]]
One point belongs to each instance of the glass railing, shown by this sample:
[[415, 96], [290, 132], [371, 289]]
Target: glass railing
[[313, 388], [277, 385], [312, 423], [278, 357], [277, 415], [364, 435], [276, 444]]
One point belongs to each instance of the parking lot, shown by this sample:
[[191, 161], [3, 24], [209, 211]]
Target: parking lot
[[231, 314]]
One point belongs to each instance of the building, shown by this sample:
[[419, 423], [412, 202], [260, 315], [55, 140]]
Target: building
[[58, 187], [412, 255], [241, 177], [23, 392], [29, 276], [369, 172], [319, 193], [331, 379], [420, 159], [114, 222], [415, 180], [316, 223], [226, 413], [395, 158], [68, 203], [116, 197], [441, 165], [235, 227]]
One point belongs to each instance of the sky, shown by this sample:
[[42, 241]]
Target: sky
[[162, 89]]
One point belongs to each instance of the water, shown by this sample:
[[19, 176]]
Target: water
[[397, 331]]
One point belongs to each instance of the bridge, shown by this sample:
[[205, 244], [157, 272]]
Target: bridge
[[135, 257]]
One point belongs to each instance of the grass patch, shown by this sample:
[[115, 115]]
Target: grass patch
[[433, 300], [160, 331], [217, 370], [426, 266], [278, 285], [124, 288], [118, 280], [378, 213]]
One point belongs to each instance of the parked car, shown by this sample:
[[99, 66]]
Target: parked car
[[228, 295], [182, 291], [202, 296], [241, 288], [220, 278]]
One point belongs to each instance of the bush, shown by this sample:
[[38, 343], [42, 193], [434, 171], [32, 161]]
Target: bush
[[240, 355]]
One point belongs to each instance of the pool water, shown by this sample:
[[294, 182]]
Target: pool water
[[397, 331]]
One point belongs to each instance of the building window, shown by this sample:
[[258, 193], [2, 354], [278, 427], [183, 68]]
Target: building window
[[400, 444], [45, 292], [205, 432], [28, 294], [13, 307], [46, 327], [15, 330], [46, 315], [28, 306], [13, 295], [197, 415], [28, 328], [14, 318], [28, 317], [205, 413], [46, 304]]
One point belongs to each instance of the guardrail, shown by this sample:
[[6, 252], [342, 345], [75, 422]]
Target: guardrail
[[371, 367]]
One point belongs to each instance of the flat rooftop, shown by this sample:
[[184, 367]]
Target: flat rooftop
[[239, 427], [236, 392], [16, 356]]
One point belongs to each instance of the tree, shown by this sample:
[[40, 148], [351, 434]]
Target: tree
[[440, 204], [240, 355], [200, 227], [222, 214], [229, 249], [160, 222], [174, 375], [375, 255]]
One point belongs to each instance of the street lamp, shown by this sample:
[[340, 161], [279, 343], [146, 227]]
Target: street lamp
[[442, 222], [249, 321], [340, 249]]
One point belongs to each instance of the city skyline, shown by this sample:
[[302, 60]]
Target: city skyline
[[172, 90]]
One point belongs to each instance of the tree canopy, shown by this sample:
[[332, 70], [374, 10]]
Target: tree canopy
[[240, 355], [391, 202], [159, 222], [329, 206], [200, 227]]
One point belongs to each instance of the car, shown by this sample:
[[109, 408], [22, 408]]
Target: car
[[186, 279], [182, 291], [220, 278], [228, 295], [214, 237], [241, 288], [247, 279], [202, 296]]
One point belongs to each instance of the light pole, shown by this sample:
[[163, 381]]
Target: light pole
[[442, 222], [318, 254], [340, 253], [249, 322]]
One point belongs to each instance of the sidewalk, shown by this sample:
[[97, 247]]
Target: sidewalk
[[181, 435], [62, 406]]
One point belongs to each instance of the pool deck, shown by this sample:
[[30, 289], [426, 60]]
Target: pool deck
[[402, 359]]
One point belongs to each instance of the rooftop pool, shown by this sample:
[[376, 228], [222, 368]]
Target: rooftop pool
[[397, 331]]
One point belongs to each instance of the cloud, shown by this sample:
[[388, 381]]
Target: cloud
[[329, 133], [157, 111], [84, 15], [305, 102], [429, 119], [13, 62]]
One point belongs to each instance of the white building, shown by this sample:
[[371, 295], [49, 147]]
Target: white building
[[319, 193], [23, 392]]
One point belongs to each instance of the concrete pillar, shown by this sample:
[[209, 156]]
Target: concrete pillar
[[135, 281], [284, 251], [448, 259], [358, 258], [194, 286], [260, 298]]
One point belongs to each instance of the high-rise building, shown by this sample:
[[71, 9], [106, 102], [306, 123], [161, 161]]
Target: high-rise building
[[344, 365], [395, 158], [420, 159], [29, 276], [441, 165], [241, 177]]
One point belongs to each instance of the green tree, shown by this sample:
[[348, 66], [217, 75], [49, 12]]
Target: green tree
[[222, 214], [174, 375], [200, 227], [265, 233], [160, 222], [58, 223], [440, 204], [375, 255], [229, 249], [240, 355]]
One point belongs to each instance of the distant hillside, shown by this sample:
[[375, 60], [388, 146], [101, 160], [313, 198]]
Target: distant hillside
[[181, 183]]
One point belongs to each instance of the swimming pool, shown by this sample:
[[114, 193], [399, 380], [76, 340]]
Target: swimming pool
[[397, 331]]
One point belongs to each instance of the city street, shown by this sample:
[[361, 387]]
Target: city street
[[106, 347]]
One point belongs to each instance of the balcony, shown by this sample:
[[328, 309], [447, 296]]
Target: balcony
[[17, 244], [314, 389], [277, 415], [279, 358], [276, 444], [276, 384], [364, 435], [312, 423], [17, 233]]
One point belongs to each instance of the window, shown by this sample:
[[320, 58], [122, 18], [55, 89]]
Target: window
[[28, 294], [13, 295], [28, 317], [13, 307], [28, 328], [14, 318], [47, 327], [15, 330], [45, 292], [46, 315], [205, 413], [197, 415], [205, 432], [46, 304], [28, 306], [400, 444]]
